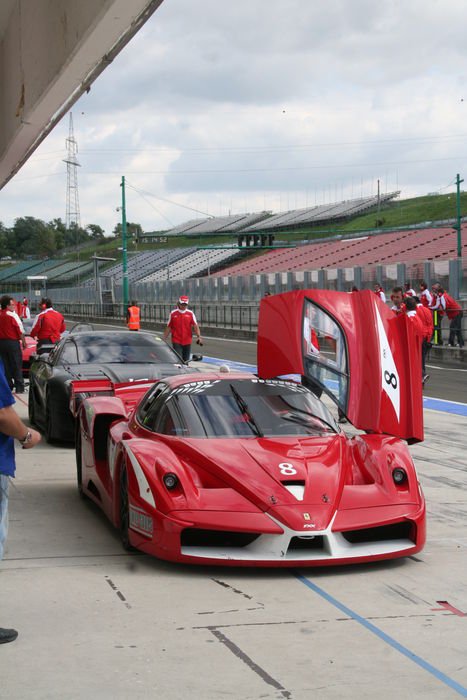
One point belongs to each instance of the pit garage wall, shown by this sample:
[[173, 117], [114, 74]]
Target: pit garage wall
[[51, 51]]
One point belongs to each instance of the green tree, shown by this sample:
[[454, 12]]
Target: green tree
[[132, 230], [33, 237], [58, 226], [4, 241], [75, 236], [96, 233]]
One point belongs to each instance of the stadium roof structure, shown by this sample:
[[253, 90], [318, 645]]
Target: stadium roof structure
[[321, 213]]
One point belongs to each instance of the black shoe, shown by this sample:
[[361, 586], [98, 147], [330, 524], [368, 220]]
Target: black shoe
[[7, 635], [425, 378]]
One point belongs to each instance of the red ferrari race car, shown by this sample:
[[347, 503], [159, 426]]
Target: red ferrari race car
[[247, 470]]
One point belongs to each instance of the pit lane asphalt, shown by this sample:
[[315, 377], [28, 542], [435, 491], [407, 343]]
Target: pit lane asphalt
[[97, 622]]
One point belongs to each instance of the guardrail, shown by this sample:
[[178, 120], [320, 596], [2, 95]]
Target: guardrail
[[243, 317]]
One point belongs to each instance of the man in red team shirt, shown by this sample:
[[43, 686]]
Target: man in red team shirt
[[49, 325], [11, 340], [426, 318], [417, 323], [397, 298], [181, 324]]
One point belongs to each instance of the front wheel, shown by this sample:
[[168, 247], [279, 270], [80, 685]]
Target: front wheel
[[79, 464], [124, 511]]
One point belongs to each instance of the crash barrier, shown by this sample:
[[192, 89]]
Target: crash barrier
[[240, 317]]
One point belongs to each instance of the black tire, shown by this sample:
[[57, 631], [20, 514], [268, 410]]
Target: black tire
[[48, 422], [31, 409], [124, 511], [79, 464]]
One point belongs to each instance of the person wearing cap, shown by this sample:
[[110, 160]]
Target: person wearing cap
[[181, 324], [49, 325]]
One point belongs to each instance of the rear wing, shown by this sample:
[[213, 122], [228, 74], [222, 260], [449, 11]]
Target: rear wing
[[129, 392]]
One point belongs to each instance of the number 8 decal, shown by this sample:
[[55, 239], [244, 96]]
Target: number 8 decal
[[391, 379], [287, 469]]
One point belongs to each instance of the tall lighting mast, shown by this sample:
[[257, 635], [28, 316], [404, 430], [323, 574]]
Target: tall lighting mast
[[72, 165]]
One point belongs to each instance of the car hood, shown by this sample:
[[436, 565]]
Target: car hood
[[127, 372], [282, 476]]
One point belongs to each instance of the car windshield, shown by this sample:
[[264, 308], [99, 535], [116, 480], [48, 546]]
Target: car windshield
[[123, 348], [248, 408]]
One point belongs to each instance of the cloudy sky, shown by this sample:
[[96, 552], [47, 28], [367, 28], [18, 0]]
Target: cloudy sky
[[220, 107]]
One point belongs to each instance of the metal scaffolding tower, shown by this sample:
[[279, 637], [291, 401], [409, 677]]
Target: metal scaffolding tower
[[72, 165]]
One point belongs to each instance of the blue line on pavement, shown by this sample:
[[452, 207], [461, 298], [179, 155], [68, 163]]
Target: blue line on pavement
[[458, 409], [439, 675]]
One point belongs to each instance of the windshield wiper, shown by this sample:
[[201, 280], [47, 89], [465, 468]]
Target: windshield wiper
[[295, 417], [243, 406], [294, 409]]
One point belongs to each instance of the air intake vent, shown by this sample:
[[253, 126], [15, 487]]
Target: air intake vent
[[192, 537], [306, 543], [396, 531], [296, 488]]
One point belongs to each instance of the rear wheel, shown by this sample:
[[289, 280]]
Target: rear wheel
[[48, 421], [124, 511]]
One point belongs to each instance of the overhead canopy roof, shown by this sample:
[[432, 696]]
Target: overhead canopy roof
[[50, 53]]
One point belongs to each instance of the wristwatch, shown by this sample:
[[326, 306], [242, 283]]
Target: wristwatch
[[27, 438]]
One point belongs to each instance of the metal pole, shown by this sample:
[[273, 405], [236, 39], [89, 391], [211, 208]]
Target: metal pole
[[124, 250]]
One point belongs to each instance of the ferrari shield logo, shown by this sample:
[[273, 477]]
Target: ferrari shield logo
[[306, 516]]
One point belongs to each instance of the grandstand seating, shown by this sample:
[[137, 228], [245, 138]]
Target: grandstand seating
[[216, 224], [382, 249], [197, 263], [17, 269], [41, 267], [142, 265], [69, 271], [320, 213]]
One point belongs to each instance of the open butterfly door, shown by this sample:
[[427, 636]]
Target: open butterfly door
[[351, 346]]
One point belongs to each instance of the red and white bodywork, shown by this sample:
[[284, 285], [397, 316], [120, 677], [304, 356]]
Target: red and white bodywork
[[308, 496]]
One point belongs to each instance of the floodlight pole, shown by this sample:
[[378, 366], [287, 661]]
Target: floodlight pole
[[124, 249]]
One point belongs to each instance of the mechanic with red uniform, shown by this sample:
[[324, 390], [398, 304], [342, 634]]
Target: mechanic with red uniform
[[397, 298], [49, 325], [426, 318], [133, 317], [454, 313], [11, 339], [181, 324], [408, 290], [410, 309], [379, 291], [425, 295]]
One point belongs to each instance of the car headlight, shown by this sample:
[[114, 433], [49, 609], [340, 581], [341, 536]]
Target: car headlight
[[170, 481], [399, 475]]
